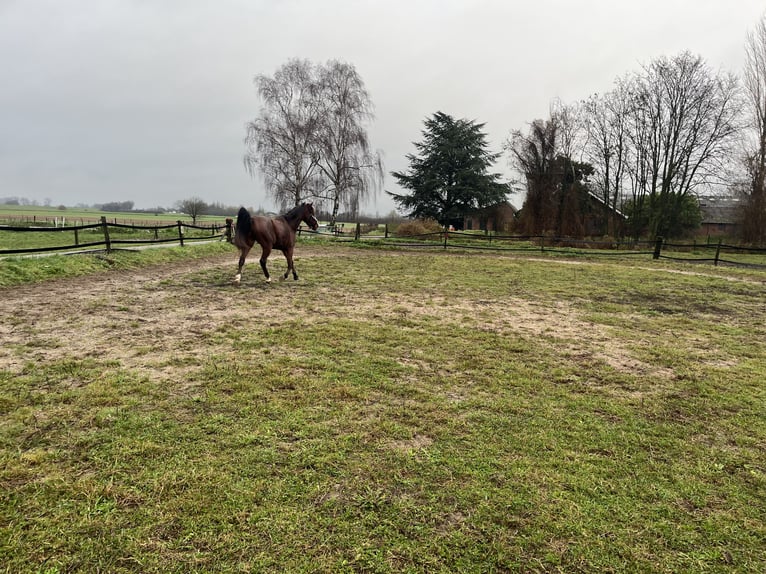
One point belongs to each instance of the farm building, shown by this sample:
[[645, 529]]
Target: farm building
[[584, 214], [498, 218], [720, 216], [600, 218]]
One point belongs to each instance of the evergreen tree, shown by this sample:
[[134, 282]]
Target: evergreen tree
[[449, 178]]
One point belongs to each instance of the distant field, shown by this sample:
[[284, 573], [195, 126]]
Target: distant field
[[24, 214]]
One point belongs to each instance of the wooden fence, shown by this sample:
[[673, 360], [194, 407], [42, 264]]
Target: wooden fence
[[695, 252], [108, 235], [108, 238]]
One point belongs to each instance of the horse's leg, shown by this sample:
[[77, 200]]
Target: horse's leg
[[264, 257], [242, 255], [290, 265]]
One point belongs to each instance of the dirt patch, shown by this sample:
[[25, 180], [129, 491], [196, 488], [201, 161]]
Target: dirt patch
[[559, 323], [162, 320], [127, 317], [417, 442]]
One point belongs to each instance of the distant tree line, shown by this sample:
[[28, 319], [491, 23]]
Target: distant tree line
[[118, 206], [14, 200]]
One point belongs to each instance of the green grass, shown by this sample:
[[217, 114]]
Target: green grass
[[24, 270], [403, 412]]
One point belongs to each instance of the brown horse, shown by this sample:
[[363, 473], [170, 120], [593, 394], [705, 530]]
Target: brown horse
[[271, 233]]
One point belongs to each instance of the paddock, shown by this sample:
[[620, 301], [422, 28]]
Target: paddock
[[391, 411]]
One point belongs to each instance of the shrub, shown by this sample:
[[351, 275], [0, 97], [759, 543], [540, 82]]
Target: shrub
[[418, 227]]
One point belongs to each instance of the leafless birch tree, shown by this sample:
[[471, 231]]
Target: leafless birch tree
[[350, 170], [281, 142]]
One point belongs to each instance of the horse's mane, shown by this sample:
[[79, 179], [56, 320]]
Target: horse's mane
[[295, 212]]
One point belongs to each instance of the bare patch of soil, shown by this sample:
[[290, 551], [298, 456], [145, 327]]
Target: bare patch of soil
[[133, 318], [162, 321]]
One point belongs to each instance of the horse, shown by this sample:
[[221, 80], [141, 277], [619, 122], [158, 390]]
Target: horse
[[271, 233]]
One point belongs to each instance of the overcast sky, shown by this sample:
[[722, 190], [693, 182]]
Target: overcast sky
[[147, 101]]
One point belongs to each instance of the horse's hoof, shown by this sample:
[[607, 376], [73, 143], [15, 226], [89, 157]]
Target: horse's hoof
[[268, 279], [237, 279]]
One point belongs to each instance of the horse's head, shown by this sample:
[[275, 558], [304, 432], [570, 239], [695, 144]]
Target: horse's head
[[308, 216]]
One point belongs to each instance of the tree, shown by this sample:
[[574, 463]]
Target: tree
[[754, 219], [281, 142], [662, 135], [310, 139], [687, 219], [555, 183], [193, 207], [449, 178], [534, 155], [683, 126], [348, 166], [116, 206], [606, 126]]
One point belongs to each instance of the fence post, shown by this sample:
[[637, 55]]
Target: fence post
[[446, 235], [657, 248], [105, 228], [229, 225], [357, 232], [542, 243], [386, 232], [76, 237], [180, 232], [717, 253]]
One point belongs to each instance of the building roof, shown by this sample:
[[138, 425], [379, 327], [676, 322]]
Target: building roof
[[720, 209]]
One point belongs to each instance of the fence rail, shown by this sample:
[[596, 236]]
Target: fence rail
[[109, 238], [108, 235], [694, 252]]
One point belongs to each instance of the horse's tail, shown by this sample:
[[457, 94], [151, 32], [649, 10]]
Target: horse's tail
[[244, 228]]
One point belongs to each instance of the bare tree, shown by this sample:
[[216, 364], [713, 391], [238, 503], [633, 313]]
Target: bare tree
[[193, 207], [351, 170], [684, 122], [310, 139], [281, 141], [754, 220], [570, 134], [606, 125], [534, 156]]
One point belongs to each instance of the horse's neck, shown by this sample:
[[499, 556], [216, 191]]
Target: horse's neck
[[294, 221]]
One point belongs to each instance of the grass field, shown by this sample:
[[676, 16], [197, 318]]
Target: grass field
[[15, 214], [393, 411]]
